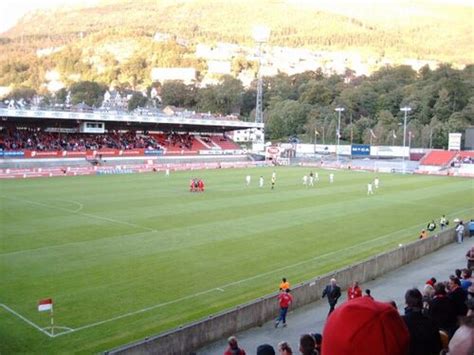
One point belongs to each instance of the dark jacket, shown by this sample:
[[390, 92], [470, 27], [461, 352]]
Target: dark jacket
[[458, 296], [442, 311], [333, 293], [424, 334]]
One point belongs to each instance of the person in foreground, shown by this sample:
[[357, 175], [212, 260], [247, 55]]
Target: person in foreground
[[365, 326], [424, 333], [462, 343], [233, 348]]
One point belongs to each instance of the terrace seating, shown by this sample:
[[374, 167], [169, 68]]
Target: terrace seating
[[438, 158], [174, 143], [225, 143], [35, 139]]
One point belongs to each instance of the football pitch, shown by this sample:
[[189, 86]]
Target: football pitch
[[128, 256]]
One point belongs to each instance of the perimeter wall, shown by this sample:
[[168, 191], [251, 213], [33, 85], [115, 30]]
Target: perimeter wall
[[185, 339]]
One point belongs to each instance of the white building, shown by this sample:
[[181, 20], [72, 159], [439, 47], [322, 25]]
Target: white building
[[248, 135]]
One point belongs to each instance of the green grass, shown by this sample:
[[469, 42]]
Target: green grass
[[106, 246]]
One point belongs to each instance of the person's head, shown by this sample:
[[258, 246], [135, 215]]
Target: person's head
[[431, 281], [318, 340], [284, 348], [440, 289], [232, 342], [355, 284], [367, 292], [287, 290], [307, 344], [413, 298], [453, 282], [466, 273], [364, 326], [265, 349], [333, 282], [393, 304], [283, 279], [457, 272]]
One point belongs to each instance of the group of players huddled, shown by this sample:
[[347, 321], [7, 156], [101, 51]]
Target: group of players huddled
[[196, 185]]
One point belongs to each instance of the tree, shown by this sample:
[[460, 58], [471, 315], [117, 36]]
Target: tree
[[229, 95], [137, 100], [314, 93], [224, 98], [24, 93], [286, 118], [178, 94], [90, 93], [442, 108]]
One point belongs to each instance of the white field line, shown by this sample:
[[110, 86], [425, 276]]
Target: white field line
[[222, 287], [79, 208], [8, 309], [81, 213]]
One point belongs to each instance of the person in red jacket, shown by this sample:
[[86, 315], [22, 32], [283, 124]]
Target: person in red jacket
[[233, 348], [284, 299], [354, 291], [201, 185]]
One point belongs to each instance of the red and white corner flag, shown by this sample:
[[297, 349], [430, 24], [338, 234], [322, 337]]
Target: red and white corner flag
[[45, 305]]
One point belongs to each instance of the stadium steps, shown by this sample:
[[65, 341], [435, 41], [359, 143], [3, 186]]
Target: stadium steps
[[438, 158], [225, 143]]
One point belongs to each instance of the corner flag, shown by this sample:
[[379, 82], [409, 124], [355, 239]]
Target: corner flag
[[45, 305]]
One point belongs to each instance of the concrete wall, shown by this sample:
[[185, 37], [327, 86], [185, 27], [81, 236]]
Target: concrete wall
[[195, 335]]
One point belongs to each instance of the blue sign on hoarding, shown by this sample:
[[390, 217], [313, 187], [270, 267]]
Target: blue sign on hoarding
[[360, 149], [12, 154], [153, 152]]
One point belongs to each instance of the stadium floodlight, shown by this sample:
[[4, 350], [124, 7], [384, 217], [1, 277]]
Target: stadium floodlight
[[405, 109], [338, 131], [260, 34]]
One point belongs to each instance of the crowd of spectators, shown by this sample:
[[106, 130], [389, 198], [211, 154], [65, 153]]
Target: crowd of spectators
[[458, 161], [39, 140], [439, 319], [183, 141]]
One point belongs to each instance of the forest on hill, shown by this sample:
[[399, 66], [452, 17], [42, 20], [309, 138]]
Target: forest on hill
[[303, 105], [112, 41]]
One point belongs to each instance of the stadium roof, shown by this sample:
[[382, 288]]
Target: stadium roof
[[121, 120]]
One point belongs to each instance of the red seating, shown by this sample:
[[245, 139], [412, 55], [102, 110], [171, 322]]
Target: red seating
[[225, 143], [466, 154], [438, 158]]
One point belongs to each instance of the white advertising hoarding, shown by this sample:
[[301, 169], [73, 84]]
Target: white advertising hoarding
[[454, 141]]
